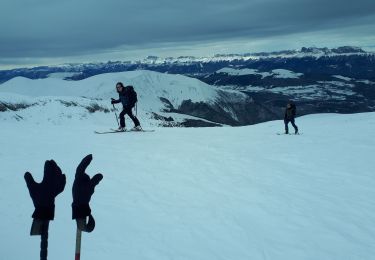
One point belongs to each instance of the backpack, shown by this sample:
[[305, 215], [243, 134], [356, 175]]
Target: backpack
[[294, 109], [290, 112], [132, 96]]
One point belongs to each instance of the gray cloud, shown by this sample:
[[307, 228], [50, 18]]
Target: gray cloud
[[58, 28]]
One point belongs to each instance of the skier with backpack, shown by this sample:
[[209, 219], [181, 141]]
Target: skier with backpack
[[289, 116], [128, 99]]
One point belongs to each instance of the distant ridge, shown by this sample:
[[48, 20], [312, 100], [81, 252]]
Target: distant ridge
[[186, 65]]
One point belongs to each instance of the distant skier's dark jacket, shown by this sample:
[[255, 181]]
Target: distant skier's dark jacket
[[123, 98], [290, 112], [127, 97]]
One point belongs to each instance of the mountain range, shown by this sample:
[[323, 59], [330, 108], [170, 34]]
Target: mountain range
[[249, 88]]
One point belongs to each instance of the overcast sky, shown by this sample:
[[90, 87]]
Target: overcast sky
[[34, 32]]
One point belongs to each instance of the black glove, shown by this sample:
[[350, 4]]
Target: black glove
[[43, 194], [83, 189], [113, 101]]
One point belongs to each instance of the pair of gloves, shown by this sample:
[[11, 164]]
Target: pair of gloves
[[43, 194]]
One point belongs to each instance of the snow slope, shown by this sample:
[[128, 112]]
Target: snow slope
[[149, 85], [277, 73], [212, 193], [286, 74], [243, 72], [58, 99]]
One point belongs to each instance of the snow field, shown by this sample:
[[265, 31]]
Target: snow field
[[211, 193]]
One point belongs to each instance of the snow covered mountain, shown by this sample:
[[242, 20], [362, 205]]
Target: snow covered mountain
[[162, 99], [177, 100], [302, 53], [334, 59], [205, 193], [251, 88], [198, 193]]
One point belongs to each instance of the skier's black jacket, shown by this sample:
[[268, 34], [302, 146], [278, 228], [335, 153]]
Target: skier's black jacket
[[127, 96], [290, 112], [123, 98]]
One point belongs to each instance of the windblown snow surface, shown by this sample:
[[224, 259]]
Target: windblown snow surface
[[210, 193], [176, 193]]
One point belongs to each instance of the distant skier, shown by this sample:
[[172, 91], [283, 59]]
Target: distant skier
[[290, 114], [128, 98]]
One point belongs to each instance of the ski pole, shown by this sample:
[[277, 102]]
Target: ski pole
[[81, 223], [116, 114], [43, 196], [40, 227], [78, 244], [44, 241]]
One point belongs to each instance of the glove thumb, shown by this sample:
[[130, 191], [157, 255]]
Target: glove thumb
[[96, 179], [29, 181]]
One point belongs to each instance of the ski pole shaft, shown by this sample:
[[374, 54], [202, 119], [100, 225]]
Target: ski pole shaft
[[78, 244], [116, 114], [44, 243]]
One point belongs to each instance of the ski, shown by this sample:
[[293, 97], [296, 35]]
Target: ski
[[115, 130], [112, 131], [288, 134], [108, 132]]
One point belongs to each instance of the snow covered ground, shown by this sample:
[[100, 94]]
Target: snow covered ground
[[210, 193]]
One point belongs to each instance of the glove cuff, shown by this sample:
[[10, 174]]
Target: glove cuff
[[80, 211], [44, 213]]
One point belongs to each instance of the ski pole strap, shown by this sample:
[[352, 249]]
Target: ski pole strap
[[86, 225]]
